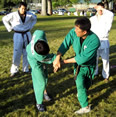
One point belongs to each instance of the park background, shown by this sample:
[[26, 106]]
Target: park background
[[17, 96]]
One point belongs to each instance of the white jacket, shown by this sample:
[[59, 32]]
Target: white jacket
[[102, 27], [13, 21]]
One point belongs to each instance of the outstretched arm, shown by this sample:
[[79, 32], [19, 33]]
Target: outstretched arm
[[71, 60]]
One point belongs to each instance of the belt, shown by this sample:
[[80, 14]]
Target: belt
[[23, 32], [78, 69]]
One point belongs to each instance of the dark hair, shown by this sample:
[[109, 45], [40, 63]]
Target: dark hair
[[100, 4], [41, 47], [22, 4], [83, 23]]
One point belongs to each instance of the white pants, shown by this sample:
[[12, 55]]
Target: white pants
[[20, 43], [104, 53]]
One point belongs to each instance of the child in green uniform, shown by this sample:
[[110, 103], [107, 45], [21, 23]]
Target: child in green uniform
[[38, 56], [85, 44]]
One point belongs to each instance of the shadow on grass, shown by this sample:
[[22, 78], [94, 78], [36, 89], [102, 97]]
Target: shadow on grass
[[104, 96], [112, 49], [65, 85], [15, 93], [114, 24]]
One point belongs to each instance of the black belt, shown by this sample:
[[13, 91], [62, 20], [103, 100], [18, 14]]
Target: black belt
[[23, 32], [78, 69]]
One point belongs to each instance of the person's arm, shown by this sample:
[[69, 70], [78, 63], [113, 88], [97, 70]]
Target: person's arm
[[109, 19], [33, 21], [62, 49], [6, 20], [71, 60]]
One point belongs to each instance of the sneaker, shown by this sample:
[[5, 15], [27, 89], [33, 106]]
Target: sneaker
[[46, 97], [83, 110], [41, 107]]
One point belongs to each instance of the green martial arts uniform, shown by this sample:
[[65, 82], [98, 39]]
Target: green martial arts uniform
[[37, 63], [85, 56]]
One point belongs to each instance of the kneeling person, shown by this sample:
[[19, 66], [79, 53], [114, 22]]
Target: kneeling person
[[38, 56]]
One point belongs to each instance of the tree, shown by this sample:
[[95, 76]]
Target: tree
[[50, 7], [44, 7], [74, 1], [55, 4]]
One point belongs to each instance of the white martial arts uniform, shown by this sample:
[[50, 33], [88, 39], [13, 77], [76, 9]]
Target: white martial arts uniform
[[101, 28], [21, 38]]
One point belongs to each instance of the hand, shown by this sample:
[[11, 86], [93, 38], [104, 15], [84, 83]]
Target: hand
[[99, 8], [56, 69], [56, 63]]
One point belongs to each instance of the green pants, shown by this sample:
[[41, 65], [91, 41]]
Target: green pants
[[39, 78], [83, 82]]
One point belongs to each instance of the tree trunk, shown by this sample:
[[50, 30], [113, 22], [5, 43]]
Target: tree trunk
[[111, 5], [44, 7], [50, 7]]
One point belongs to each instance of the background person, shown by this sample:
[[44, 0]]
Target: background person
[[101, 24], [85, 44], [21, 22]]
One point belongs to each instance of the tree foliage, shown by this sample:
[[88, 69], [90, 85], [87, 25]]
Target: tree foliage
[[74, 1], [8, 3]]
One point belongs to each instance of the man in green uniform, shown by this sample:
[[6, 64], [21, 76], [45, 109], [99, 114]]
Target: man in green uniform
[[38, 55], [85, 44]]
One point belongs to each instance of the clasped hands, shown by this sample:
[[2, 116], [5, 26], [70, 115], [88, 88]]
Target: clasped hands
[[57, 64]]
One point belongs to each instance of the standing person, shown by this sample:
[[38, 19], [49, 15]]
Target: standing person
[[101, 24], [85, 44], [21, 22], [38, 56]]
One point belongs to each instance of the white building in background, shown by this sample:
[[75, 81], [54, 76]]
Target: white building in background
[[83, 6]]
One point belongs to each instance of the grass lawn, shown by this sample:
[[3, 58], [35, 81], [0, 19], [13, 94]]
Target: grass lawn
[[17, 96]]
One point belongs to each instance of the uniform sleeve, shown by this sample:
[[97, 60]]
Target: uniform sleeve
[[49, 59], [6, 20], [89, 52], [109, 19], [68, 41], [33, 21]]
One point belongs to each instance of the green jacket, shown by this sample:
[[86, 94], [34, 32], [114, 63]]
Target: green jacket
[[85, 54], [33, 57]]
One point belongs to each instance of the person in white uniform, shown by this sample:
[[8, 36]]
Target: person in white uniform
[[101, 24], [21, 22]]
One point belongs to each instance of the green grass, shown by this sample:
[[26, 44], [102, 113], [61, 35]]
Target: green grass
[[16, 94]]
